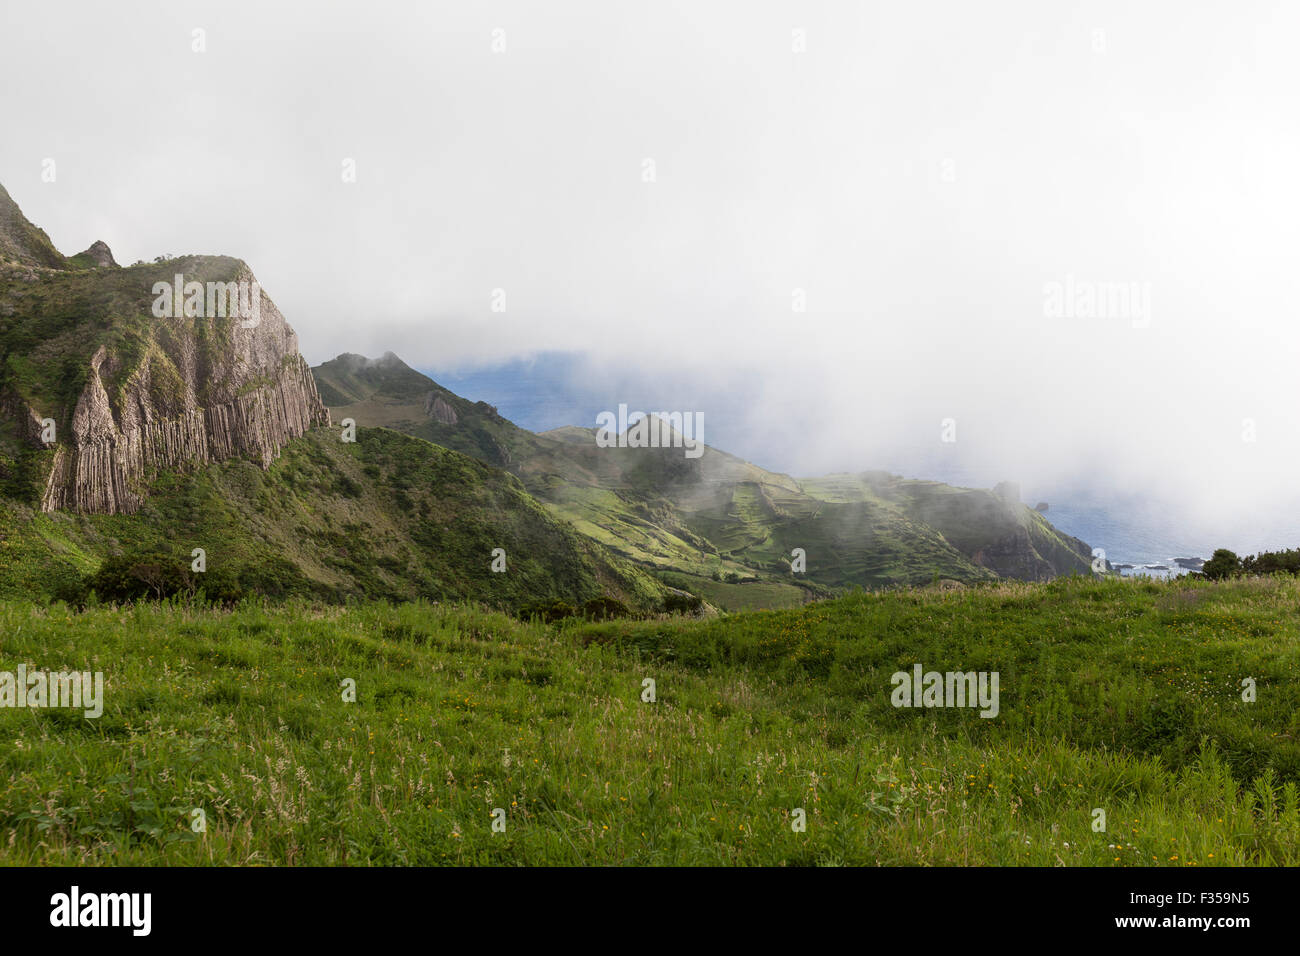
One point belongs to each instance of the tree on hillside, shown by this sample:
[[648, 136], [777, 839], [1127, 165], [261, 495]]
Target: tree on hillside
[[141, 575], [1222, 564]]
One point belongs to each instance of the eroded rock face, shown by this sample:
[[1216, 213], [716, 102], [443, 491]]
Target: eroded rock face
[[438, 409], [187, 403]]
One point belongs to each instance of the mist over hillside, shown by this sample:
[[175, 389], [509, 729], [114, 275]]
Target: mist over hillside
[[1144, 523]]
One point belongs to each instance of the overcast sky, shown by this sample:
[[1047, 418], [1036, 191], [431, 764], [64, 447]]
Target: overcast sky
[[922, 172]]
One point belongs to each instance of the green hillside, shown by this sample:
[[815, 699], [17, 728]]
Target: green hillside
[[718, 518], [386, 392], [388, 516], [1116, 695]]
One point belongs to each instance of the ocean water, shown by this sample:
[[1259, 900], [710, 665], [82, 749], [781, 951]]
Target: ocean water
[[549, 391], [1130, 531], [1137, 529]]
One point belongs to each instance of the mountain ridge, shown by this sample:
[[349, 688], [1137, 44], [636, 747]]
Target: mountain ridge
[[720, 515]]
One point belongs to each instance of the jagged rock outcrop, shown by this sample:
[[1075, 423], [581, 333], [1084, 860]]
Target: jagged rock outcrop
[[101, 255], [188, 402]]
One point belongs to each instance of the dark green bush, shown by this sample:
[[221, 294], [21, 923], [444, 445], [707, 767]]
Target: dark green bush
[[548, 611], [1222, 564], [605, 609], [682, 603]]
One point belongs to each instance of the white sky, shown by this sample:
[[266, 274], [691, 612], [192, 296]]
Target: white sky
[[921, 171]]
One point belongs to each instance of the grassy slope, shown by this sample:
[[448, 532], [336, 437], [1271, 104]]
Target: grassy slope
[[1117, 694], [386, 392], [752, 593], [719, 513], [389, 516], [603, 495], [974, 522]]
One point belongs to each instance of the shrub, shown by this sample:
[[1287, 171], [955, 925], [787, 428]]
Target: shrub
[[142, 574], [604, 609], [681, 602], [548, 611], [1222, 564]]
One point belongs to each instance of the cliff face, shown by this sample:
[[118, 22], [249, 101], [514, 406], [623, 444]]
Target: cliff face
[[1016, 557], [198, 395], [439, 410], [996, 531], [105, 382]]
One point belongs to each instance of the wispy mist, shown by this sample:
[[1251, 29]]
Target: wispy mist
[[850, 216]]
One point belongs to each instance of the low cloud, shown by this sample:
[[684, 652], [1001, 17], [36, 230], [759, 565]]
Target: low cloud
[[859, 240]]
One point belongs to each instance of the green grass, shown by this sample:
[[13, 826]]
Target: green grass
[[747, 594], [1118, 695]]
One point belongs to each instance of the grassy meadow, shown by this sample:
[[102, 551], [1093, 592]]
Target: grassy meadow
[[1117, 695]]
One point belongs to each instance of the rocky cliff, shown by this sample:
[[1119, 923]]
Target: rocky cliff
[[438, 409], [98, 256], [204, 390], [105, 382]]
